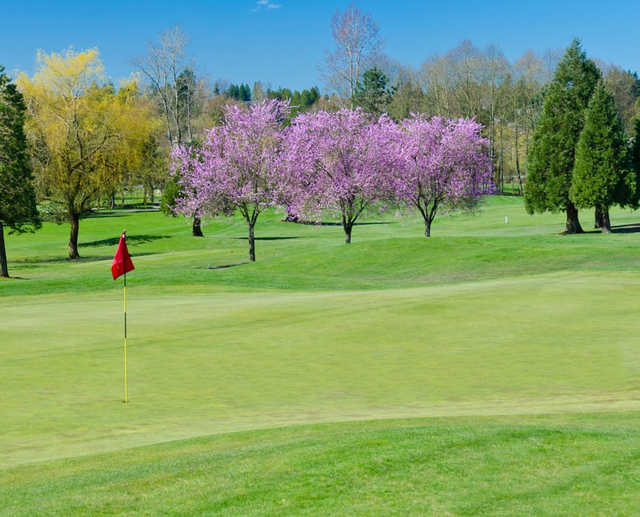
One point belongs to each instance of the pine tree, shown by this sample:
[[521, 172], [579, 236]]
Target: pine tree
[[17, 198], [373, 94], [634, 160], [552, 155], [635, 147], [601, 176]]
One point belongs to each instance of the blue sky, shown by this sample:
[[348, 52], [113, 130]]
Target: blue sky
[[282, 42]]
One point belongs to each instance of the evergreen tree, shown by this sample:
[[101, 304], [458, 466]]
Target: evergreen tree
[[233, 92], [245, 92], [552, 154], [17, 197], [373, 94], [634, 160], [601, 176]]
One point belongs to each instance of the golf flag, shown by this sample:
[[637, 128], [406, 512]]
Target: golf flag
[[122, 263]]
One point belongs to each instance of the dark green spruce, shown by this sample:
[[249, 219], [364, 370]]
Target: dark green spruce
[[18, 209], [602, 176], [373, 93], [634, 153], [552, 154]]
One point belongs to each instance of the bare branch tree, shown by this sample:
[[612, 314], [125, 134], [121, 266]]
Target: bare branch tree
[[161, 67], [358, 45], [173, 84]]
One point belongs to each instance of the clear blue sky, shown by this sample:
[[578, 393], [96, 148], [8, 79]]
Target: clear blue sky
[[283, 45]]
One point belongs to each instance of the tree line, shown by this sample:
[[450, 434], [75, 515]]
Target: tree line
[[85, 141], [581, 156], [345, 162]]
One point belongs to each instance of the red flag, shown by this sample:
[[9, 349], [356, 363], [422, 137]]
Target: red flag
[[121, 261]]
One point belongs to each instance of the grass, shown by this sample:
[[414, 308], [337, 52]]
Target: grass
[[486, 318], [546, 465]]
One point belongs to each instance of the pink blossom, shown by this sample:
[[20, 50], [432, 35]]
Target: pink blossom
[[445, 165], [236, 167], [341, 161]]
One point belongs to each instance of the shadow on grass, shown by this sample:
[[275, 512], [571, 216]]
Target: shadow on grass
[[97, 215], [626, 228], [113, 241], [90, 258], [335, 223], [222, 266], [620, 228], [265, 238]]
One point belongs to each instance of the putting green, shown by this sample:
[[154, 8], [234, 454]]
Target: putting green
[[212, 362]]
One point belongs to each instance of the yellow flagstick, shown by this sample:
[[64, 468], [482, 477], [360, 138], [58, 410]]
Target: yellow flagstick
[[126, 388]]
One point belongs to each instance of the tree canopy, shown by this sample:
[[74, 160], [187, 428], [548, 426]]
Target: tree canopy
[[602, 175], [84, 134], [552, 155], [17, 196]]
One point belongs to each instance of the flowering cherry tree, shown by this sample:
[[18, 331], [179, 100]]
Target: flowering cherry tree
[[445, 165], [237, 166], [342, 161]]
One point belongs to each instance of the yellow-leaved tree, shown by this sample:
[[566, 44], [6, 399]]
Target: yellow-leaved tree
[[84, 134]]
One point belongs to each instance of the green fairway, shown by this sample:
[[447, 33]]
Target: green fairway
[[486, 318], [551, 465]]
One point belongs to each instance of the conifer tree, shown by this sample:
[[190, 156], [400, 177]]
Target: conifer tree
[[373, 94], [635, 147], [601, 176], [634, 160], [552, 154], [17, 198]]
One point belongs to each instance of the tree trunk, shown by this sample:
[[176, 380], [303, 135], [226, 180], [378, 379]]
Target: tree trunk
[[573, 223], [597, 218], [196, 229], [73, 236], [427, 228], [113, 200], [347, 233], [252, 244], [520, 189], [4, 269], [605, 222]]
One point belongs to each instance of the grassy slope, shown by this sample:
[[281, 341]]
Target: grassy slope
[[483, 318], [547, 465]]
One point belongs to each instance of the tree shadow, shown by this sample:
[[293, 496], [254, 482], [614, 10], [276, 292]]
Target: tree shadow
[[626, 228], [335, 223], [366, 223], [141, 239], [97, 215], [80, 260], [227, 266], [222, 266], [621, 228], [266, 238]]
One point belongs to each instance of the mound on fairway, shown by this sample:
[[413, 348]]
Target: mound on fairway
[[583, 464]]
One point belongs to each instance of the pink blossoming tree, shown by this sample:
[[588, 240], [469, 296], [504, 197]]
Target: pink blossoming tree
[[445, 165], [237, 167], [340, 161]]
